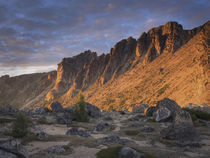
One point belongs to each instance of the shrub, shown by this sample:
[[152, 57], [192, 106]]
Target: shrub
[[198, 114], [132, 132], [81, 114], [162, 90], [20, 126], [111, 152]]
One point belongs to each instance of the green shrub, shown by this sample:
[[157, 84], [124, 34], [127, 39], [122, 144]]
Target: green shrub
[[198, 114], [110, 152], [162, 90], [20, 126], [81, 114], [132, 132]]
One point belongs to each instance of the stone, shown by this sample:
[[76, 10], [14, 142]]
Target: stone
[[13, 146], [102, 126], [42, 136], [112, 139], [92, 110], [178, 115], [8, 110], [5, 154], [64, 118], [183, 134], [38, 111], [55, 107], [162, 114], [78, 132], [147, 129], [127, 152], [140, 108], [56, 149], [149, 111], [136, 117]]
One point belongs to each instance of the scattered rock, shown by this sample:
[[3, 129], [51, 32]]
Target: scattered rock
[[42, 136], [112, 139], [147, 129], [162, 114], [149, 111], [38, 111], [13, 147], [102, 126], [140, 108], [56, 149], [92, 110], [8, 110], [127, 152], [183, 134], [136, 117], [78, 132], [55, 107], [64, 118]]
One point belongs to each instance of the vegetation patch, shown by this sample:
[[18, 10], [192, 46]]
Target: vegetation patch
[[110, 152], [198, 114], [5, 120], [162, 90], [131, 132], [81, 114]]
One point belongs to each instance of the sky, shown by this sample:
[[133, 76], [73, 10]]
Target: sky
[[36, 34]]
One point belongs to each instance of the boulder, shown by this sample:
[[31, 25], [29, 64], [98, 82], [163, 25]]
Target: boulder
[[12, 146], [38, 111], [140, 108], [64, 118], [8, 110], [78, 132], [127, 152], [183, 134], [162, 114], [149, 111], [5, 154], [56, 149], [177, 114], [147, 129], [102, 126], [55, 107], [112, 139], [92, 110]]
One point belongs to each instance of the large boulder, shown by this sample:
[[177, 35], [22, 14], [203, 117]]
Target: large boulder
[[64, 118], [92, 110], [8, 110], [183, 134], [55, 107], [127, 152], [11, 147], [162, 114], [149, 111], [168, 109], [78, 132], [103, 126]]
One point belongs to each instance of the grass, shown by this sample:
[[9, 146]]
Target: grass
[[80, 141], [162, 90], [198, 114], [131, 132], [110, 152]]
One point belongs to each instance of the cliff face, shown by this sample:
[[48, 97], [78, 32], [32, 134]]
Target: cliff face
[[99, 76]]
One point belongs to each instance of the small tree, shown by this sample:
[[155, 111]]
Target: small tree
[[80, 110], [20, 126]]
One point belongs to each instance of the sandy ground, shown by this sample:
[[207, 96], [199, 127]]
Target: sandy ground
[[55, 129]]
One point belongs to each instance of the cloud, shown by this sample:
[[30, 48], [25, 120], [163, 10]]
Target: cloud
[[41, 32]]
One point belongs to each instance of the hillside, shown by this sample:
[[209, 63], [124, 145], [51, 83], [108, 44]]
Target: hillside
[[167, 61]]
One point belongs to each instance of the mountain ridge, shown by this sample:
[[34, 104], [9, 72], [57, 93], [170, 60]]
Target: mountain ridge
[[86, 70]]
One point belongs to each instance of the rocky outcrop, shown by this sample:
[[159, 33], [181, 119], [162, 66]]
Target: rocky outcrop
[[77, 132], [103, 126], [55, 107], [12, 148], [8, 110]]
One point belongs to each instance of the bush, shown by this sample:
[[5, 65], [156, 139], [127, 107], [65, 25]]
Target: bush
[[132, 132], [20, 126], [81, 114], [162, 90], [198, 114], [111, 152]]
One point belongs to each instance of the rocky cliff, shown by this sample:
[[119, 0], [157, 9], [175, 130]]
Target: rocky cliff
[[151, 58]]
